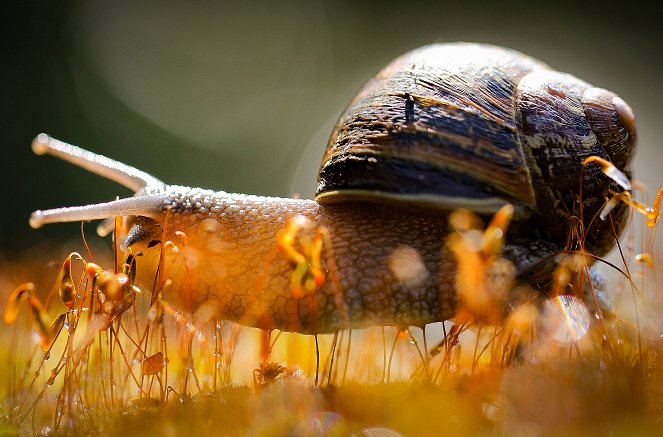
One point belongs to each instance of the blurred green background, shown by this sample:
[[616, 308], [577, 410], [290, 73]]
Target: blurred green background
[[241, 96]]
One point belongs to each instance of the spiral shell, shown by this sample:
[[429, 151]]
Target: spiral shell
[[477, 126]]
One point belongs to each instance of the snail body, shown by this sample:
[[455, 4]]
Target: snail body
[[442, 127]]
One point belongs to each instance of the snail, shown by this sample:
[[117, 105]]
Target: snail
[[445, 126]]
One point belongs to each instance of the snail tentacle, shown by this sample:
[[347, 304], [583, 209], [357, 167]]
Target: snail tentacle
[[119, 172], [145, 205]]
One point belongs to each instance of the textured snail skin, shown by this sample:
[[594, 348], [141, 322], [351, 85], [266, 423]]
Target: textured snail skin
[[387, 262]]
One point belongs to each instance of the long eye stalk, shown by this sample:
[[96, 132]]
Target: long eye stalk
[[123, 174], [130, 177], [141, 205]]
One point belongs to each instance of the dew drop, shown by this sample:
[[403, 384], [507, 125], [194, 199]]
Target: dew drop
[[566, 318]]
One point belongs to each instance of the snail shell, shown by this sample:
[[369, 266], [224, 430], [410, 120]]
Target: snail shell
[[441, 127], [478, 126]]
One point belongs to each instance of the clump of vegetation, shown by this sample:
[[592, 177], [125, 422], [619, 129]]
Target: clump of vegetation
[[98, 355]]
